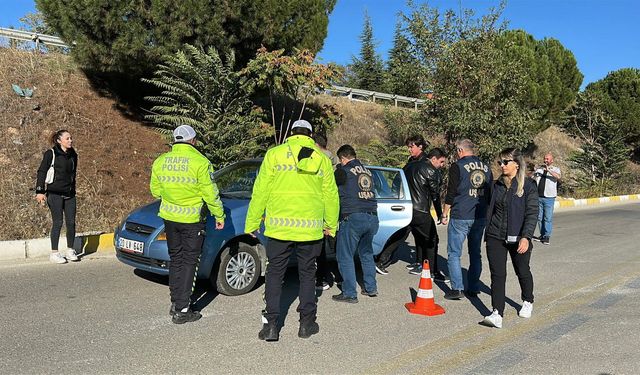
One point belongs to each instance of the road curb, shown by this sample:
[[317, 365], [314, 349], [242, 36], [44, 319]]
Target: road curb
[[85, 243], [92, 242], [566, 203]]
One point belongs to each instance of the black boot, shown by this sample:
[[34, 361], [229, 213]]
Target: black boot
[[172, 309], [180, 317], [308, 327], [269, 331]]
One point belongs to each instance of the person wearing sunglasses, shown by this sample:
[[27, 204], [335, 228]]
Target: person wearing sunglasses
[[511, 220]]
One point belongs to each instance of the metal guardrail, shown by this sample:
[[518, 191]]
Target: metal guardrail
[[28, 36], [350, 93], [355, 94]]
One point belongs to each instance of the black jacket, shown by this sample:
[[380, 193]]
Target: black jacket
[[424, 184], [65, 166], [510, 217]]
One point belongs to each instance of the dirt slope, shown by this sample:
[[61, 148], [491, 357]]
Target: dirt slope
[[115, 153]]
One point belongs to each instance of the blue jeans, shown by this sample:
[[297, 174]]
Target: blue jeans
[[545, 215], [355, 234], [457, 231]]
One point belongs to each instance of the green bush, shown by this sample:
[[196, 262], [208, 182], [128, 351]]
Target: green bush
[[200, 90]]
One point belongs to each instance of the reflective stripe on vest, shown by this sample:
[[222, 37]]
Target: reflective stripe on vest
[[295, 223], [177, 179], [175, 209], [285, 167], [291, 168]]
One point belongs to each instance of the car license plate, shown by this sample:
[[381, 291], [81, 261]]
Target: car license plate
[[130, 245]]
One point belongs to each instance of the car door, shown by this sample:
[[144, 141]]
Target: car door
[[394, 203]]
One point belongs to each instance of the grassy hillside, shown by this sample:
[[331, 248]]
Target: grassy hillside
[[116, 152]]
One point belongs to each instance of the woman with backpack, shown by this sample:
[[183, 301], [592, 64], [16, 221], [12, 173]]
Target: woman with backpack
[[56, 185]]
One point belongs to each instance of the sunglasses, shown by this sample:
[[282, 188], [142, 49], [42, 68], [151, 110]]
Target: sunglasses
[[504, 162]]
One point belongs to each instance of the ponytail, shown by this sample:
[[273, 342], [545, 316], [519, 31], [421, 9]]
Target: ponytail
[[56, 136]]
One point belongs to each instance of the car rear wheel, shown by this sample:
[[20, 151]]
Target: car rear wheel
[[239, 270]]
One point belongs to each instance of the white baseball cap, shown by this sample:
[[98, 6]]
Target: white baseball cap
[[183, 133], [302, 124]]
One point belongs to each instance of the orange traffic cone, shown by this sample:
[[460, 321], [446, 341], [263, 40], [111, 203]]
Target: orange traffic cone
[[425, 304]]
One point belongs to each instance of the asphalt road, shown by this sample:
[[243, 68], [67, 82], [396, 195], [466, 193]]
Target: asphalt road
[[99, 316]]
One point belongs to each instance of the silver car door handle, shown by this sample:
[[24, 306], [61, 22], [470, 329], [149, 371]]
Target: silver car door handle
[[397, 208]]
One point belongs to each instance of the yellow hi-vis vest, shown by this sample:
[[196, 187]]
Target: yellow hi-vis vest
[[182, 179], [298, 198]]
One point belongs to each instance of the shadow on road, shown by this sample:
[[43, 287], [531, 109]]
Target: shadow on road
[[203, 293], [149, 276]]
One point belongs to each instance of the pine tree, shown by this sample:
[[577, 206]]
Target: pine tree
[[402, 67], [552, 77], [619, 95], [128, 38], [368, 68]]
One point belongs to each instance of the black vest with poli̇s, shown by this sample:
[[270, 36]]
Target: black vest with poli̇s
[[357, 193], [473, 190]]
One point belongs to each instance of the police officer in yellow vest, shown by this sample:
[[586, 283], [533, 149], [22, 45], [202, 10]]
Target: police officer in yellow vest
[[296, 193], [182, 179]]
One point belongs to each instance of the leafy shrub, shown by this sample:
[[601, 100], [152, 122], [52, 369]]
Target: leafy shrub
[[200, 90]]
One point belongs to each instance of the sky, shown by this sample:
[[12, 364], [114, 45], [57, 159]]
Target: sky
[[604, 35]]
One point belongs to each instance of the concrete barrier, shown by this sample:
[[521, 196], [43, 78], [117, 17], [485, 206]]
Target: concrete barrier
[[13, 250], [565, 203], [85, 243]]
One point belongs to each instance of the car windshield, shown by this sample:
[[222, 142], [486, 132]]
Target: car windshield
[[236, 180]]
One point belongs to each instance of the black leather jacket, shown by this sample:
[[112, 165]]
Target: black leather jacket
[[424, 183]]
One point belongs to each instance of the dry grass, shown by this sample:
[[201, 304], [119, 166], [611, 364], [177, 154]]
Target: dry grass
[[361, 122], [115, 153], [560, 145]]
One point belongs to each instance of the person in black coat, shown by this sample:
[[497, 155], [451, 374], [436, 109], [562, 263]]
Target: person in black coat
[[511, 220], [60, 194]]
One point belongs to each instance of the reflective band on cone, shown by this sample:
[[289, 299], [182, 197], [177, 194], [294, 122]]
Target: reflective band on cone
[[425, 304], [425, 293]]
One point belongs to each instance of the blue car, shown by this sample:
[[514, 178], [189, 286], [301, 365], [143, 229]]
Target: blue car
[[232, 260]]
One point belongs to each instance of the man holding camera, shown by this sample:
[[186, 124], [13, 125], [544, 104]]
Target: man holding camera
[[547, 177]]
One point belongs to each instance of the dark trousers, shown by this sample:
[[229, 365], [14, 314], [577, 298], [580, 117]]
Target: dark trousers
[[59, 205], [425, 235], [185, 245], [497, 254], [386, 256], [278, 253], [325, 267]]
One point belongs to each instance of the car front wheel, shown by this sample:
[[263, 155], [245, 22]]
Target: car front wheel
[[239, 270]]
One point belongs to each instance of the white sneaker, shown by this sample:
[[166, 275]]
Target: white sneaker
[[493, 320], [71, 255], [57, 258], [526, 310]]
